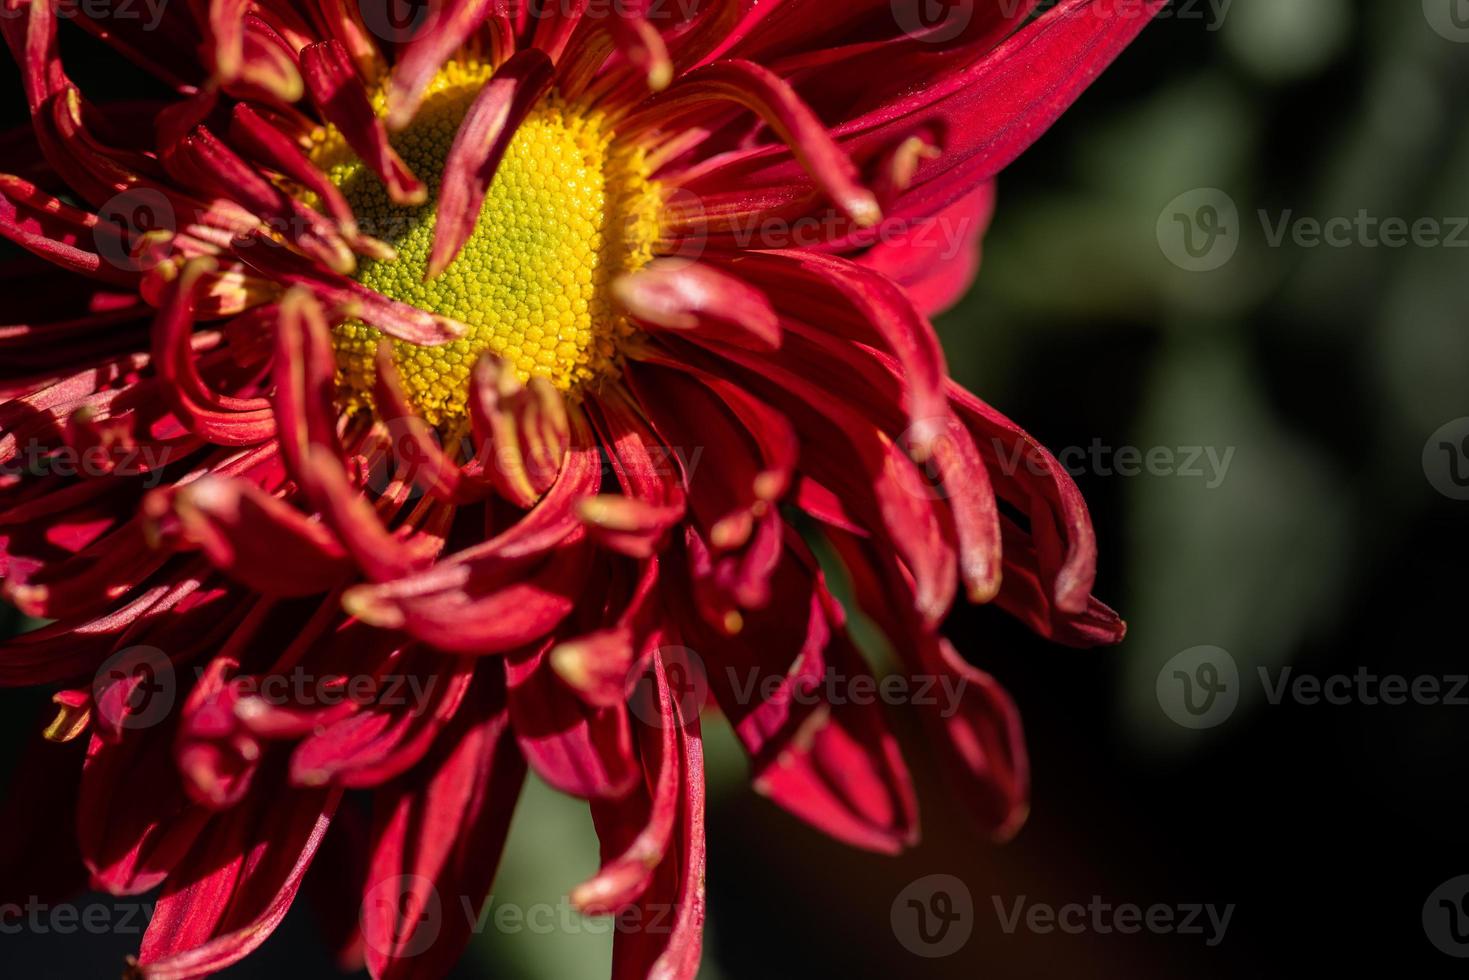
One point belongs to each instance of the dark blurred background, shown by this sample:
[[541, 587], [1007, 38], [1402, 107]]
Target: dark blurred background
[[1323, 535]]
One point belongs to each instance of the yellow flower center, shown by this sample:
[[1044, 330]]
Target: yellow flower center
[[569, 211]]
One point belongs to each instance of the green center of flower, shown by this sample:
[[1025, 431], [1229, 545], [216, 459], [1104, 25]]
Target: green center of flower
[[570, 210]]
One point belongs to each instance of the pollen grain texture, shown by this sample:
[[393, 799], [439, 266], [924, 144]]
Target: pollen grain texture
[[569, 211]]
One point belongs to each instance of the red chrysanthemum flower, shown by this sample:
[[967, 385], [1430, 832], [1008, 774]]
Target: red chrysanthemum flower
[[495, 359]]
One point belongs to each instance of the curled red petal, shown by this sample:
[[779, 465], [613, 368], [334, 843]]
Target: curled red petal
[[258, 539], [842, 297], [235, 887], [625, 877], [676, 892], [446, 27], [672, 294], [348, 298], [437, 839], [479, 146], [576, 748], [773, 99], [342, 98]]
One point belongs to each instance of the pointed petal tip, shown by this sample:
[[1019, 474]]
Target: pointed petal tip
[[361, 602], [569, 662], [984, 587], [1012, 826], [452, 329], [863, 209], [401, 109], [29, 599], [441, 256], [660, 75]]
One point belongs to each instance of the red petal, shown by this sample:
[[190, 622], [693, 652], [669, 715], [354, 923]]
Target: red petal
[[235, 887], [447, 26], [342, 99], [574, 747], [625, 877], [671, 950], [763, 92], [484, 136], [437, 840], [672, 294], [259, 540]]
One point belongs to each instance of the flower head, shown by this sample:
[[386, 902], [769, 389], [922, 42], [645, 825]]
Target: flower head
[[394, 407]]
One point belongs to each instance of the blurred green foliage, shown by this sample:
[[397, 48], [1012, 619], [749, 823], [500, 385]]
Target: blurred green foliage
[[1325, 369]]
